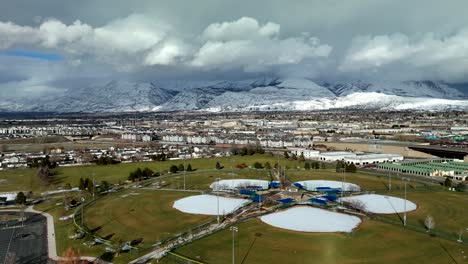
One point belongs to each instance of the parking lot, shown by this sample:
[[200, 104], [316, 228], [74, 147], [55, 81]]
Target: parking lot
[[26, 244]]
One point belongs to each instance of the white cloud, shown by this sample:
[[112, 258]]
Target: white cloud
[[166, 54], [121, 41], [245, 43], [242, 29], [445, 55], [11, 33]]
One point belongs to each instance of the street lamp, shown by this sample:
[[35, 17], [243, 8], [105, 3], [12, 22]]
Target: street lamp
[[185, 170], [404, 213], [389, 181], [217, 198], [234, 230]]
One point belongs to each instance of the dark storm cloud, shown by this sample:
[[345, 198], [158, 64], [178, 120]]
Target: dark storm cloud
[[211, 39]]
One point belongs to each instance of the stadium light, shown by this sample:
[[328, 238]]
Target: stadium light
[[234, 230], [404, 214]]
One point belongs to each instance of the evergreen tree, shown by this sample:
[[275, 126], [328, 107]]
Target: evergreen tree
[[86, 183], [243, 151], [267, 165], [293, 156], [257, 165], [173, 169], [301, 157], [189, 167], [307, 166], [218, 166], [286, 155], [322, 166], [448, 182], [81, 185], [20, 198], [317, 165], [181, 167], [351, 168], [147, 172]]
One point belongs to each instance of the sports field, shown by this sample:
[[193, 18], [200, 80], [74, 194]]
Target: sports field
[[139, 213], [373, 242], [148, 214]]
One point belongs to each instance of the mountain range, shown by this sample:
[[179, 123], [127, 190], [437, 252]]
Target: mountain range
[[267, 94]]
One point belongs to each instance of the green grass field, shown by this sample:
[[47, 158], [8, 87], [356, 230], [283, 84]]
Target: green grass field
[[146, 214], [373, 242], [65, 228], [150, 216], [448, 209], [26, 179]]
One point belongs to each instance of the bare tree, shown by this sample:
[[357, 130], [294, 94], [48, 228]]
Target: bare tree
[[356, 204], [4, 219], [429, 223], [10, 258], [44, 175], [70, 256]]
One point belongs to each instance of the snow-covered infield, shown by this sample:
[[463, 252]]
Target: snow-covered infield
[[207, 204], [310, 219], [239, 183], [381, 204], [313, 184]]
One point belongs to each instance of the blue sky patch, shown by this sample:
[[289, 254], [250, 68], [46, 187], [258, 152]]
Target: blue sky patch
[[33, 55]]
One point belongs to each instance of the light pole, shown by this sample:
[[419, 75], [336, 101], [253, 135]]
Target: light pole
[[389, 181], [185, 170], [94, 185], [217, 199], [404, 214], [234, 230]]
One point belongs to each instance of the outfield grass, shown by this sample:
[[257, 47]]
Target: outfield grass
[[447, 208], [373, 242], [148, 215]]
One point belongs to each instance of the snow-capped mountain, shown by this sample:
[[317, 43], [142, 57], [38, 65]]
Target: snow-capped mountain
[[272, 94]]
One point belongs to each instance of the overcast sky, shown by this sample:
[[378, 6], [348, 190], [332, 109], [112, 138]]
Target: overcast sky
[[48, 45]]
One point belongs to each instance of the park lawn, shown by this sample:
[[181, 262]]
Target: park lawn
[[27, 180], [148, 215], [447, 208], [373, 242], [63, 229]]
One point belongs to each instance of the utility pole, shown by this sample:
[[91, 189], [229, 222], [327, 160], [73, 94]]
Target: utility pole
[[234, 230]]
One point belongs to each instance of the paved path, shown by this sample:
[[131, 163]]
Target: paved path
[[51, 243]]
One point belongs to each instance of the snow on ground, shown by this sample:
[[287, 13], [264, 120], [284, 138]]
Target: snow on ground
[[310, 219], [381, 204], [313, 184], [207, 204], [238, 183]]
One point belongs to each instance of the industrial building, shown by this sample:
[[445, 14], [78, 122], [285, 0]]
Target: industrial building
[[455, 170]]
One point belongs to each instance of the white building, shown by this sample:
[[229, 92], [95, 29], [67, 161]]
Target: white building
[[335, 156], [308, 153], [373, 159]]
